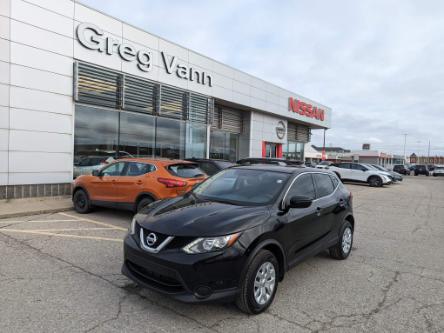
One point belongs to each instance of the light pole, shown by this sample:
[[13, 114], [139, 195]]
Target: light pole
[[405, 141], [323, 148]]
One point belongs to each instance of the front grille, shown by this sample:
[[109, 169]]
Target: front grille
[[156, 280], [160, 238]]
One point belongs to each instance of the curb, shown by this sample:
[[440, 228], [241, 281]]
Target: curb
[[35, 212]]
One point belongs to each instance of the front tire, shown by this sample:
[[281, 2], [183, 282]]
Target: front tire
[[82, 204], [343, 247], [375, 181], [259, 283]]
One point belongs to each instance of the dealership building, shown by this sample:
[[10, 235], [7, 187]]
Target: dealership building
[[77, 86]]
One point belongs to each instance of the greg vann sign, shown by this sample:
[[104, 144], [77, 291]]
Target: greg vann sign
[[94, 38]]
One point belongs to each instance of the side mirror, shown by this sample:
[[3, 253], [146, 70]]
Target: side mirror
[[96, 173], [299, 202]]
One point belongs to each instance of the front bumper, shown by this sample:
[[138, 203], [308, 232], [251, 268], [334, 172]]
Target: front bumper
[[188, 278]]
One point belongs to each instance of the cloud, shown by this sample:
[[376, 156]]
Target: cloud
[[378, 63]]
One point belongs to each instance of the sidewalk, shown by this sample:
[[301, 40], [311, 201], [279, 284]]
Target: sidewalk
[[34, 206]]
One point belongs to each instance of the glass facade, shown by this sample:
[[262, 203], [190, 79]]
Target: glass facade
[[101, 134], [293, 150], [224, 145]]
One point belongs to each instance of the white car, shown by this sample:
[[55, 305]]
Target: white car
[[438, 171], [358, 172]]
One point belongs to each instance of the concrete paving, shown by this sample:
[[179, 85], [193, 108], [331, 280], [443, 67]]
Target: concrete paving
[[61, 272], [33, 206]]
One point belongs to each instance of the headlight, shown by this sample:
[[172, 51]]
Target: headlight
[[210, 244], [132, 228]]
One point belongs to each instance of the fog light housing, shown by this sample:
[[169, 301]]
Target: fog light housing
[[202, 291]]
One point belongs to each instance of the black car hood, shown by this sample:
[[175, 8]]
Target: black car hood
[[187, 216]]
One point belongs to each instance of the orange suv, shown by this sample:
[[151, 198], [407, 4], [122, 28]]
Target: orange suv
[[132, 183]]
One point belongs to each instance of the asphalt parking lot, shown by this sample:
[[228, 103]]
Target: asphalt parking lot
[[61, 272]]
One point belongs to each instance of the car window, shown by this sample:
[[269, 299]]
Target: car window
[[137, 169], [335, 180], [185, 170], [344, 165], [114, 169], [359, 167], [324, 185], [303, 186], [209, 168]]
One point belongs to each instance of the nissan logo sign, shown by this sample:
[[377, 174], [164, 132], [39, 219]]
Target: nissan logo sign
[[280, 130], [151, 239]]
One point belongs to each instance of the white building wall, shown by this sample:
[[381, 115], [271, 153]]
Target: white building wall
[[38, 46], [263, 128], [41, 105], [5, 9]]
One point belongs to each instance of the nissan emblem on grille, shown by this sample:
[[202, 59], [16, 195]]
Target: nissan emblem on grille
[[151, 239]]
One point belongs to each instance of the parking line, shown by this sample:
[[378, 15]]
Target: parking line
[[53, 230], [63, 235], [95, 222], [37, 221]]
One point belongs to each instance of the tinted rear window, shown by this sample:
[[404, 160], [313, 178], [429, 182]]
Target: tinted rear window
[[185, 170]]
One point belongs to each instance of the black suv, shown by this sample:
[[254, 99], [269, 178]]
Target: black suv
[[421, 169], [402, 169], [235, 235], [211, 167]]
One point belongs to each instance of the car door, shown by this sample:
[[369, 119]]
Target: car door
[[325, 204], [344, 170], [300, 223], [359, 172], [102, 187], [132, 182]]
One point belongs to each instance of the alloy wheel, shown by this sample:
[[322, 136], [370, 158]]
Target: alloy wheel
[[347, 237], [264, 283]]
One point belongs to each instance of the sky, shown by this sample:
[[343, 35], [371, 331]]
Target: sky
[[379, 64]]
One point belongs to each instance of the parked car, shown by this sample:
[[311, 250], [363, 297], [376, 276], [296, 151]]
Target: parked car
[[394, 175], [358, 172], [86, 162], [235, 235], [401, 169], [273, 161], [431, 167], [439, 171], [421, 169], [211, 167], [133, 183]]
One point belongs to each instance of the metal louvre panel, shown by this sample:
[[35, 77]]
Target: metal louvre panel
[[139, 95], [231, 121], [173, 103], [198, 111], [97, 86], [303, 134], [291, 132]]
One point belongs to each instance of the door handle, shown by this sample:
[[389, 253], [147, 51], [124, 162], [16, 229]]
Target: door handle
[[139, 182], [318, 211]]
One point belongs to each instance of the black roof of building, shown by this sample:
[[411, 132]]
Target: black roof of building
[[332, 149]]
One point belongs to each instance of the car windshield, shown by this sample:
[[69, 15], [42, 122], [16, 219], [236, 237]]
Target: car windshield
[[243, 187], [439, 168], [379, 167], [224, 164]]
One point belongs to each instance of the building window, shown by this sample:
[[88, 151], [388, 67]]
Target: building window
[[224, 145], [293, 150], [105, 134], [170, 138], [196, 140], [136, 134]]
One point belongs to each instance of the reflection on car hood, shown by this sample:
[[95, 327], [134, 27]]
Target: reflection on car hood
[[187, 216]]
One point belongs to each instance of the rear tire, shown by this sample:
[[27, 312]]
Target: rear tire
[[343, 247], [259, 282], [375, 181], [81, 202], [145, 201]]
